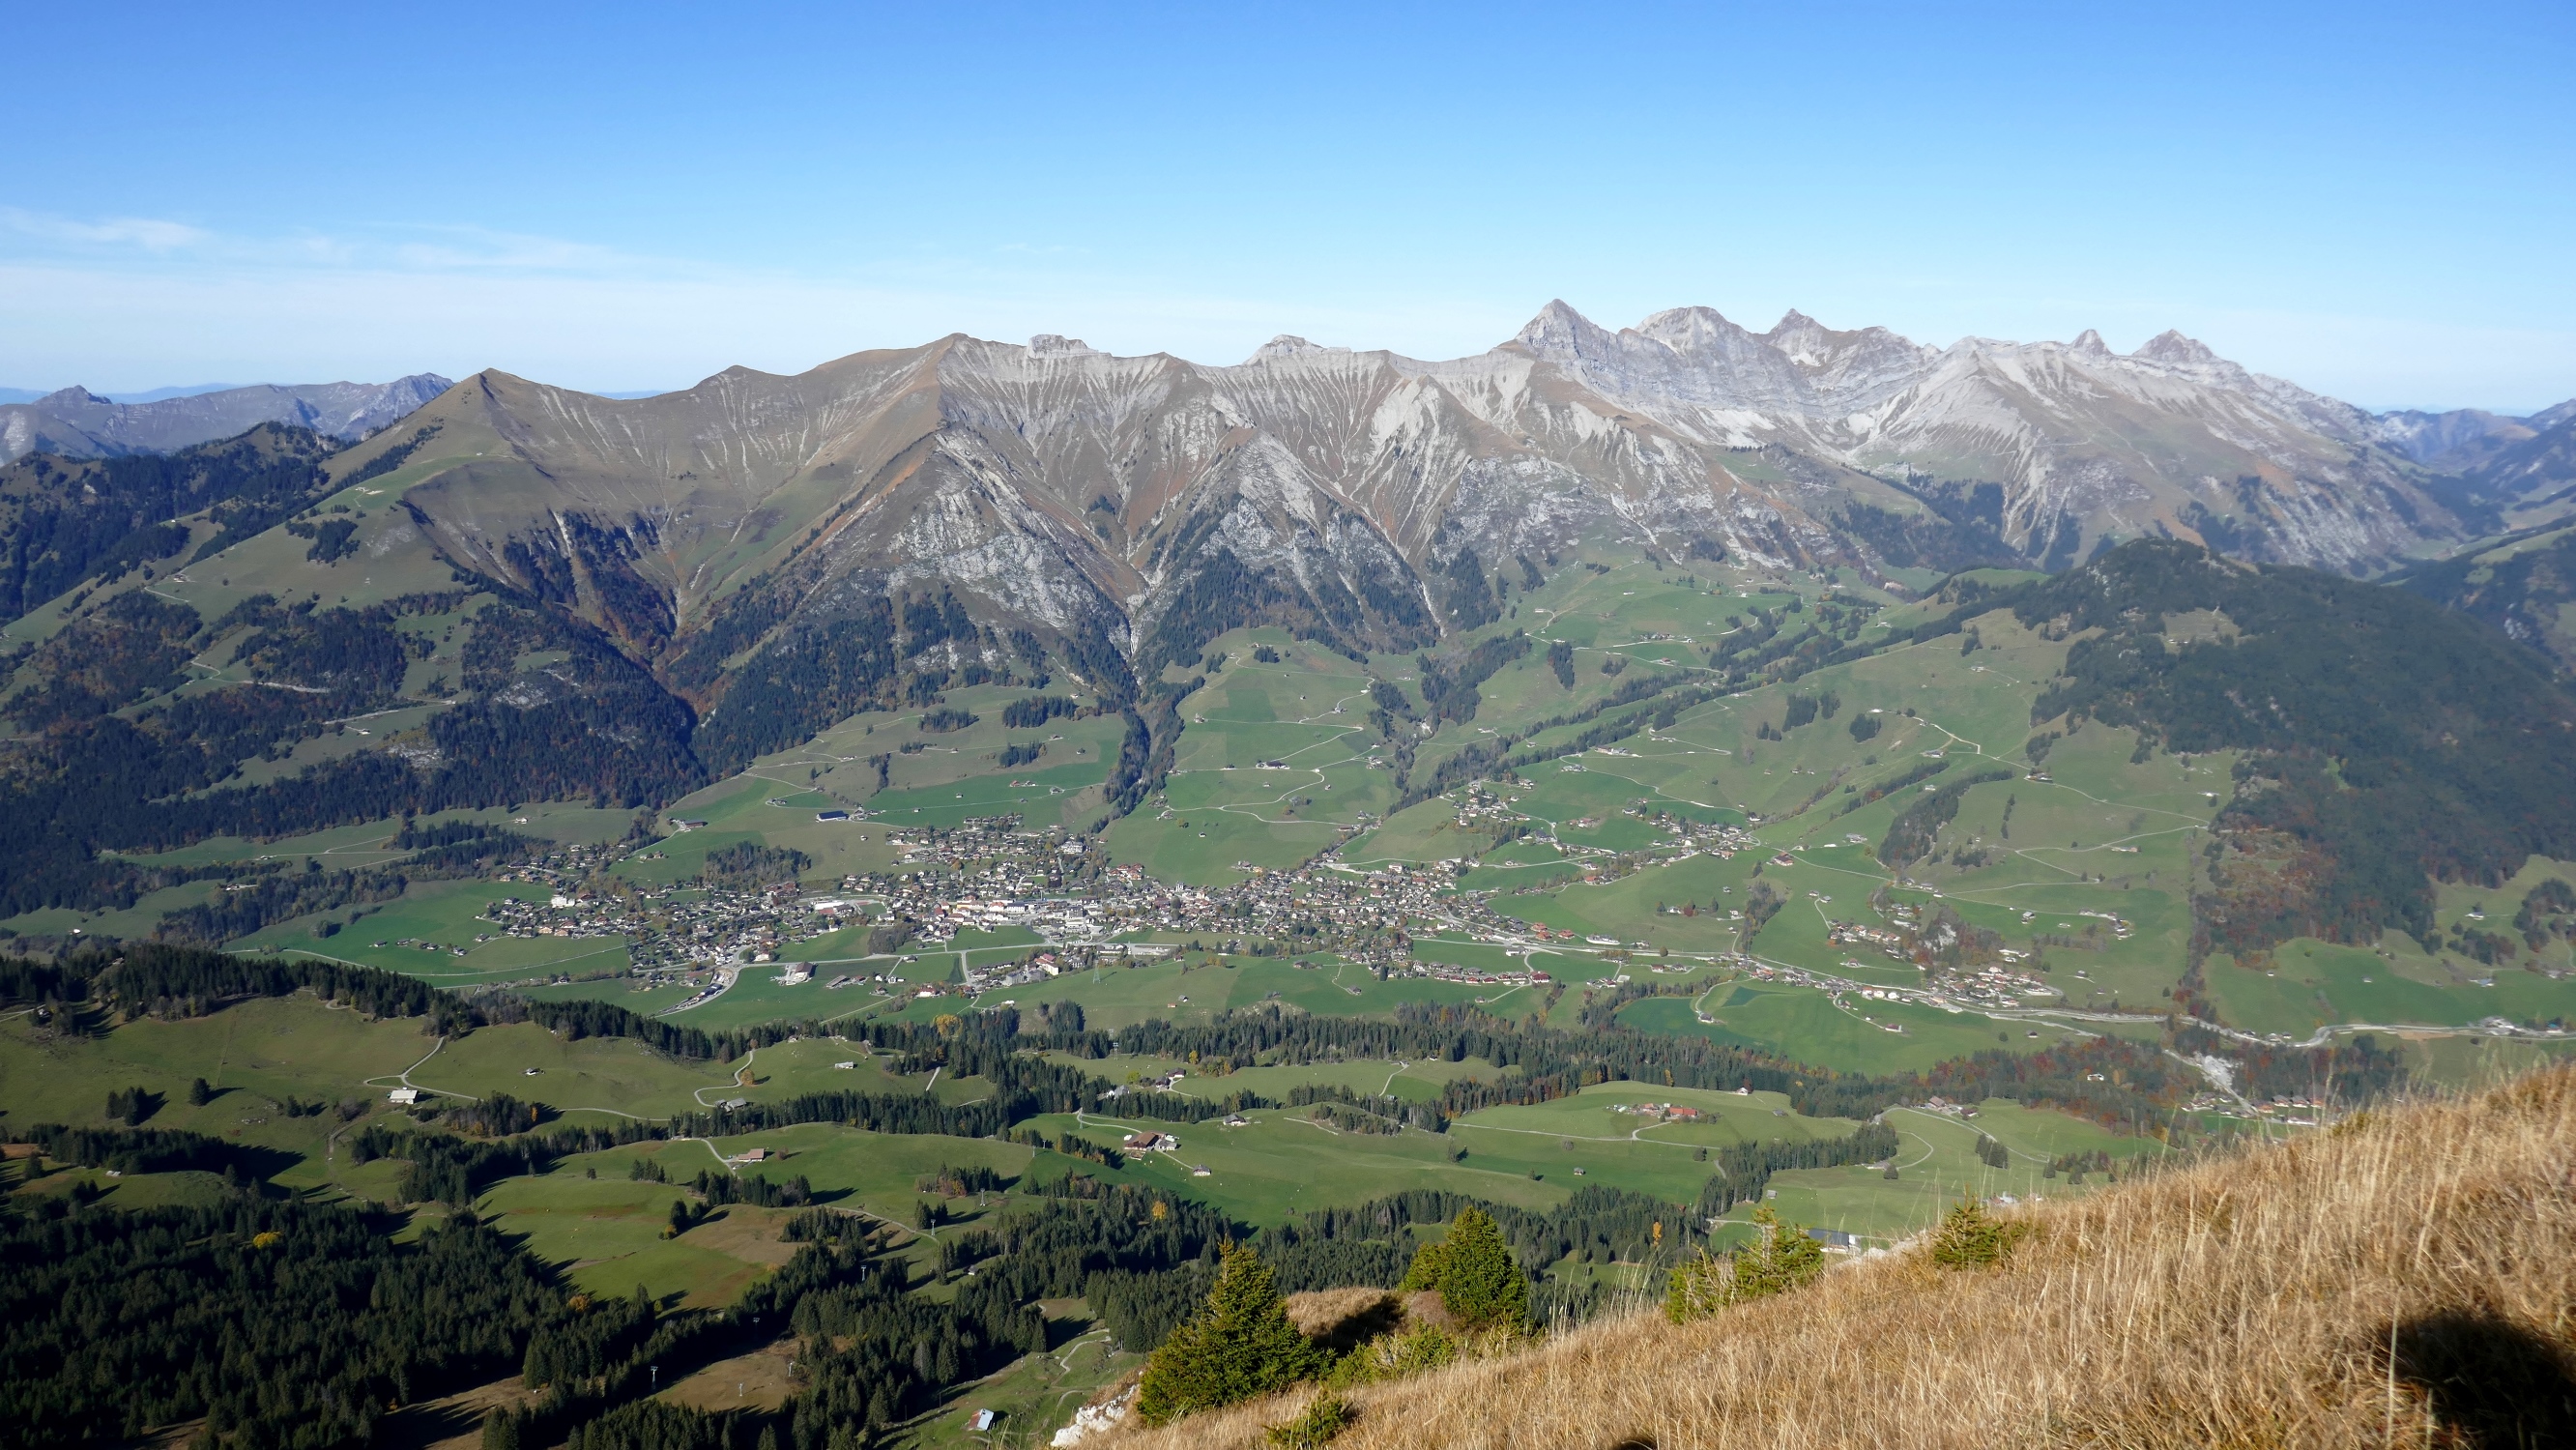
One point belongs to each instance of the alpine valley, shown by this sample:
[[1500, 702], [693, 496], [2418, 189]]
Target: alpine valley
[[816, 912]]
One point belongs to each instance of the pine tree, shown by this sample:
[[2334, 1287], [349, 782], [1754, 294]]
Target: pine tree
[[1239, 1346]]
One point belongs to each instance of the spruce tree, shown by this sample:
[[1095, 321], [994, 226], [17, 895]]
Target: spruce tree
[[1480, 1283], [1430, 1266], [1239, 1346], [1782, 1259]]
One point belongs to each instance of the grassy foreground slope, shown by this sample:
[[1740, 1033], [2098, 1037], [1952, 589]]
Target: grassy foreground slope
[[2402, 1281]]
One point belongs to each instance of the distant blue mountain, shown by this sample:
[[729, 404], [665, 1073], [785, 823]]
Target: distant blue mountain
[[157, 394]]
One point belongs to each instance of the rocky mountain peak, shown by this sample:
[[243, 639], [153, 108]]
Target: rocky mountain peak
[[2089, 343], [1693, 331], [1559, 330], [1048, 344], [1287, 344], [1794, 323], [2170, 346]]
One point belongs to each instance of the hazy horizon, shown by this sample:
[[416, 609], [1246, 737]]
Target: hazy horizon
[[2357, 198]]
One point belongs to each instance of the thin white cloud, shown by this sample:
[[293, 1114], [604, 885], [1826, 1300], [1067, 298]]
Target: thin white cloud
[[148, 234]]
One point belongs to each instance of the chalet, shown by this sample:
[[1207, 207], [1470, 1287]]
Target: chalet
[[1147, 1142], [404, 1096]]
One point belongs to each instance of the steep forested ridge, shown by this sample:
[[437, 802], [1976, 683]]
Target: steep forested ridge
[[2388, 743], [63, 521], [115, 764], [285, 1324]]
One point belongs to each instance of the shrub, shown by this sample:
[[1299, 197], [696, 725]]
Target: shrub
[[1324, 1418], [1781, 1259], [1971, 1238], [1395, 1356]]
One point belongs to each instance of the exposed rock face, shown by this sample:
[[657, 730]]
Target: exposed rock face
[[2083, 442], [78, 423], [1070, 498]]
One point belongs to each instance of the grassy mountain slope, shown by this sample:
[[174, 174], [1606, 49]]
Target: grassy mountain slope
[[2403, 1280], [64, 522]]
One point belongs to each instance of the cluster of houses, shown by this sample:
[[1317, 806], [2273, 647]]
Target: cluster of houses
[[1477, 976], [1857, 934], [1997, 986], [1661, 1112]]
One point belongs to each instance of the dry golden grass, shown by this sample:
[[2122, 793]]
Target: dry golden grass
[[1321, 1311], [2408, 1280]]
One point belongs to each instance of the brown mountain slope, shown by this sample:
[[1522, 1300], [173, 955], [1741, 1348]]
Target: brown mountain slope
[[1115, 513], [1057, 491], [2401, 1281]]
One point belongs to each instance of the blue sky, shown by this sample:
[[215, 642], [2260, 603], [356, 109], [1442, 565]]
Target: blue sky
[[2375, 201]]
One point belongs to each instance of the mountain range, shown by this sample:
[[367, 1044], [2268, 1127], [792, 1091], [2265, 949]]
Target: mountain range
[[1100, 508], [1371, 498], [77, 423]]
